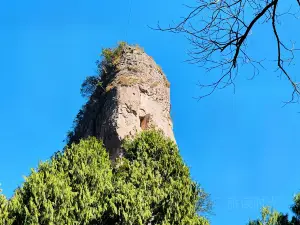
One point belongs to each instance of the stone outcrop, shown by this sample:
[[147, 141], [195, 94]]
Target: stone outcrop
[[133, 95]]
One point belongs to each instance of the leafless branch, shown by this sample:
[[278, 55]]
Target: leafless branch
[[218, 31]]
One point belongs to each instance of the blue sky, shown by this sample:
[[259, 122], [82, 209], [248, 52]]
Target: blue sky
[[242, 148]]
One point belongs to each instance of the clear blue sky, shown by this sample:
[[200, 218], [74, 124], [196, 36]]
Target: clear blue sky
[[243, 148]]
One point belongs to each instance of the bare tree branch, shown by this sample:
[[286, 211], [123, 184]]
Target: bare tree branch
[[218, 31]]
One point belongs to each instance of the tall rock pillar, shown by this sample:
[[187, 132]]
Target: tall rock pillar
[[132, 95]]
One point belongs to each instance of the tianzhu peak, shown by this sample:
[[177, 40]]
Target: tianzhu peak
[[130, 94]]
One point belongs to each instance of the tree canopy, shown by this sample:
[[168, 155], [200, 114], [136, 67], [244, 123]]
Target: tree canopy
[[272, 217], [80, 185]]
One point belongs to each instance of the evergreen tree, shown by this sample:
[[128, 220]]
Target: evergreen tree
[[3, 209], [68, 189], [153, 185], [149, 185], [272, 217]]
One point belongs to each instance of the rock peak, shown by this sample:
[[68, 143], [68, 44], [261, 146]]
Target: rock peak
[[130, 94]]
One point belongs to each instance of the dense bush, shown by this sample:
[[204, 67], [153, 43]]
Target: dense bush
[[149, 185]]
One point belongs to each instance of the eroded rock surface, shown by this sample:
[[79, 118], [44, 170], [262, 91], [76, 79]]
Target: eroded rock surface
[[134, 96]]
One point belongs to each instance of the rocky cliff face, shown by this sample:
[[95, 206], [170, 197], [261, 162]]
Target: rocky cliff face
[[133, 95]]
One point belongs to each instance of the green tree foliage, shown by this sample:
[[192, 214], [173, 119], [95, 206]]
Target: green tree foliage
[[89, 86], [296, 206], [149, 185], [111, 57], [272, 217], [69, 189], [3, 209], [154, 185]]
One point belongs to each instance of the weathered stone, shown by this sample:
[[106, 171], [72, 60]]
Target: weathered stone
[[135, 96]]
